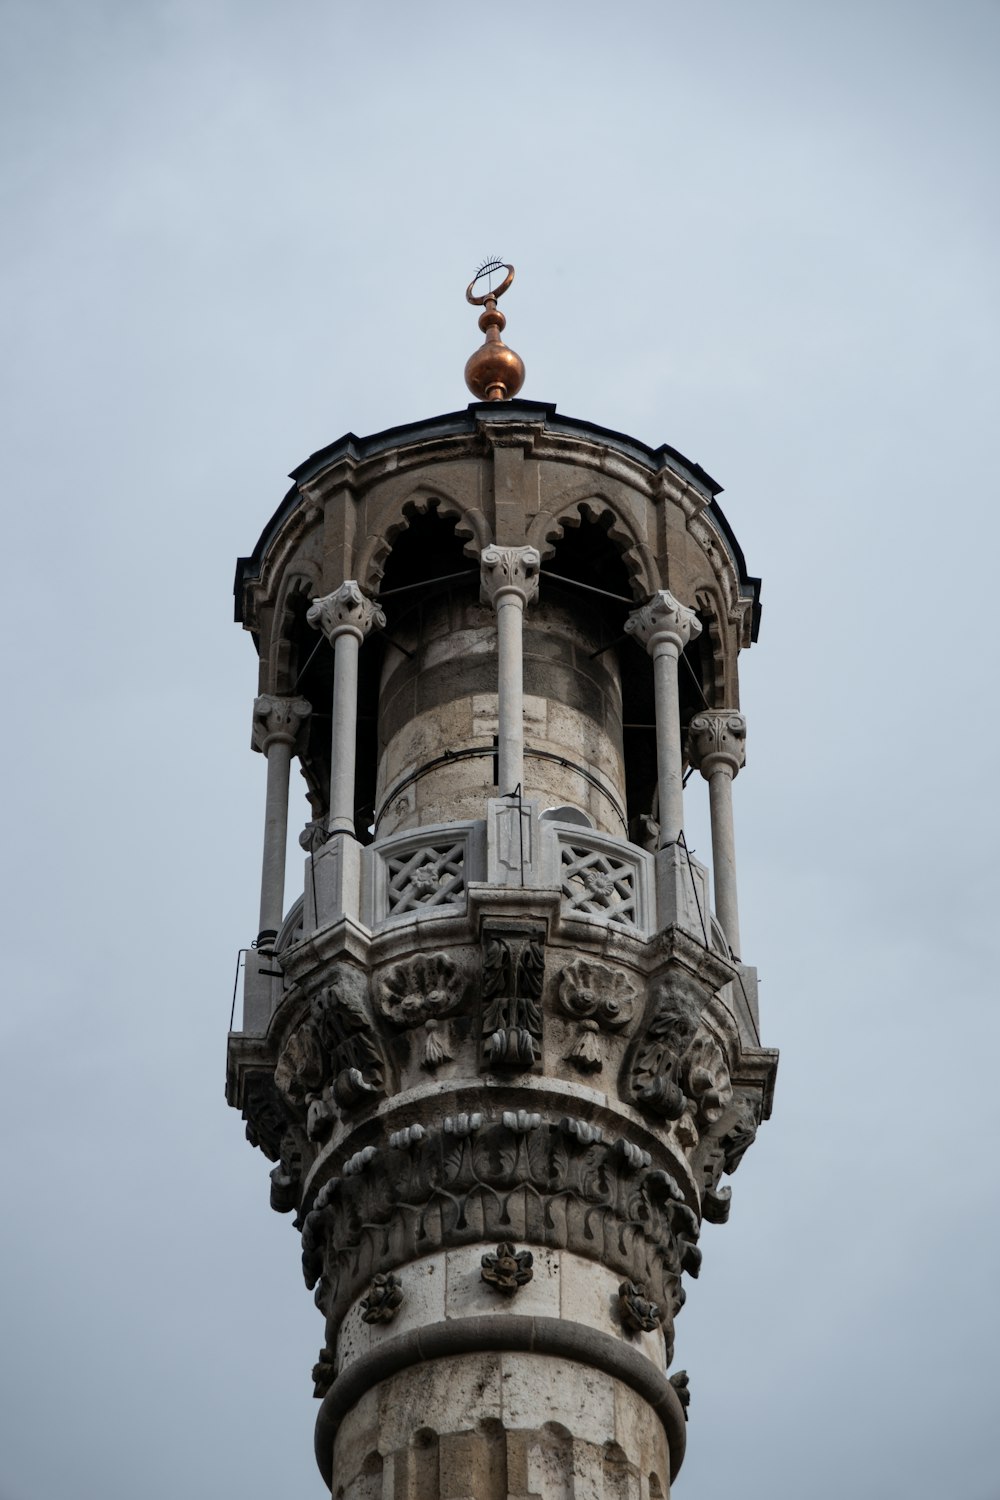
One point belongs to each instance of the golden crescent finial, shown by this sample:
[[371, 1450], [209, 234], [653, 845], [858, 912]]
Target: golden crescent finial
[[494, 372]]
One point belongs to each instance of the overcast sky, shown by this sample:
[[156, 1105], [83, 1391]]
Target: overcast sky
[[765, 233]]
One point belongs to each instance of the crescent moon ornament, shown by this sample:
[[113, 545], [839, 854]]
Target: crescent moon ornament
[[494, 372]]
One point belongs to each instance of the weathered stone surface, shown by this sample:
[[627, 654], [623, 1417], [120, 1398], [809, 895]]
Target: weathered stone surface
[[501, 1055]]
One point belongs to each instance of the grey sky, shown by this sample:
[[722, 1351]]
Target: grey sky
[[764, 233]]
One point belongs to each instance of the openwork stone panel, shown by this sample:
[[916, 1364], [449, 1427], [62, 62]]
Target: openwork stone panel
[[429, 870], [604, 878]]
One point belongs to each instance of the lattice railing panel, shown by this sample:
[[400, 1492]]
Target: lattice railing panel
[[430, 875], [597, 883]]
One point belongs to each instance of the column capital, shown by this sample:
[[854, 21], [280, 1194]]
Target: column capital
[[717, 740], [278, 720], [509, 570], [347, 611], [663, 619]]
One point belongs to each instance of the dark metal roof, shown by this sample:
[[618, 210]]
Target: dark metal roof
[[453, 423]]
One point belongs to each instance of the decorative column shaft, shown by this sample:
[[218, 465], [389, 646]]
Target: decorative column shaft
[[509, 583], [664, 626], [717, 747], [345, 617], [277, 730]]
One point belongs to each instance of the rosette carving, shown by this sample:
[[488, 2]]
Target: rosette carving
[[638, 1313], [600, 999], [507, 1269], [419, 995]]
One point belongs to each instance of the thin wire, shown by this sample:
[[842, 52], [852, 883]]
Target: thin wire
[[697, 901], [694, 675], [308, 663], [236, 980], [424, 583], [576, 584]]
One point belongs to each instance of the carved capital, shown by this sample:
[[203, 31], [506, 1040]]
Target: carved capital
[[347, 611], [663, 619], [509, 570], [278, 721], [717, 738]]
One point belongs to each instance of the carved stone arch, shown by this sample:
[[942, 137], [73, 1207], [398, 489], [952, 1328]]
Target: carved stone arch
[[596, 509], [713, 647], [471, 527], [297, 589]]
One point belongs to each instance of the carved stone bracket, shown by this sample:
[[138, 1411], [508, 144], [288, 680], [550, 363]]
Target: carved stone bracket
[[513, 973], [717, 738], [677, 1069], [332, 1061], [600, 999], [279, 721], [509, 570], [346, 611]]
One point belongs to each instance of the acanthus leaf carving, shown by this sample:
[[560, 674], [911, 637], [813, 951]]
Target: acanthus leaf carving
[[512, 977], [332, 1060], [677, 1069], [516, 1176]]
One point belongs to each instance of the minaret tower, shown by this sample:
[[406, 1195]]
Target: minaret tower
[[504, 1047]]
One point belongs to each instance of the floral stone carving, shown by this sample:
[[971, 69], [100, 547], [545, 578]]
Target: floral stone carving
[[324, 1371], [601, 999], [678, 1068], [332, 1059], [513, 971], [507, 1269], [638, 1313], [384, 1297], [421, 993], [682, 1386]]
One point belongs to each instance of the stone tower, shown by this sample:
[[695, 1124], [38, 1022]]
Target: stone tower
[[502, 1050]]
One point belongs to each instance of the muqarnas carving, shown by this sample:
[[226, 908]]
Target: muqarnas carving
[[513, 973], [468, 1179], [332, 1059], [600, 999], [507, 1269], [422, 993], [678, 1070]]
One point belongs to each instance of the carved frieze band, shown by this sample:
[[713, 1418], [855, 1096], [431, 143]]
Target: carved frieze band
[[469, 1179]]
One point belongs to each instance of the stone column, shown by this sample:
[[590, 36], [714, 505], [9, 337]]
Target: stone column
[[717, 747], [277, 730], [664, 626], [345, 617], [509, 582]]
